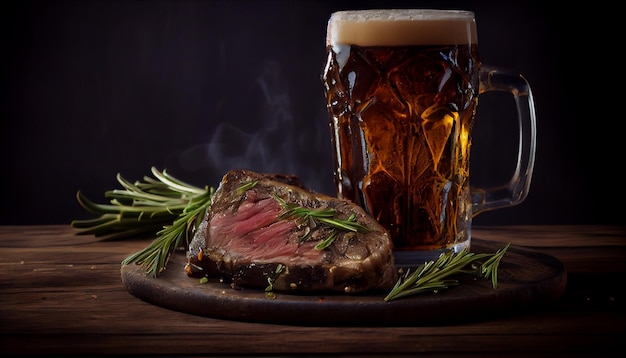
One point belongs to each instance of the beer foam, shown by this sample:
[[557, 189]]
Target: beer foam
[[401, 27]]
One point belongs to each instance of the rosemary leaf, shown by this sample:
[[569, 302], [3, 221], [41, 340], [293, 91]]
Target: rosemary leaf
[[242, 189], [326, 242], [175, 184], [348, 225]]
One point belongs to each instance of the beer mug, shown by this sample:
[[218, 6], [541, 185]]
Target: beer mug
[[402, 89]]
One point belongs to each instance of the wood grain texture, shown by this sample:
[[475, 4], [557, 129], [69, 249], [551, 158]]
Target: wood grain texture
[[63, 294]]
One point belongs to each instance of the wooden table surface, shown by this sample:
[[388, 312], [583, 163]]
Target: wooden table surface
[[62, 294]]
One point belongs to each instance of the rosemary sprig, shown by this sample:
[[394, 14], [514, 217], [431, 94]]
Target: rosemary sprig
[[434, 275], [165, 206], [324, 216], [154, 258]]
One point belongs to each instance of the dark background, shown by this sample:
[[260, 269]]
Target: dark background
[[90, 89]]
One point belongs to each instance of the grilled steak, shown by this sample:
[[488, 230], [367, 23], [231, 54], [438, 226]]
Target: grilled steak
[[249, 239]]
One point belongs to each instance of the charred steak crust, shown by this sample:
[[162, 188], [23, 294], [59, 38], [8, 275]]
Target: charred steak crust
[[243, 240]]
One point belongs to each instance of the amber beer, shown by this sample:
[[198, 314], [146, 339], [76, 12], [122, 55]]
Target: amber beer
[[402, 90]]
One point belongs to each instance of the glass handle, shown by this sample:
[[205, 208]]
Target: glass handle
[[516, 190]]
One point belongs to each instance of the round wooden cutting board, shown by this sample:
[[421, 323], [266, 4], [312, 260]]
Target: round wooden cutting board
[[526, 279]]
